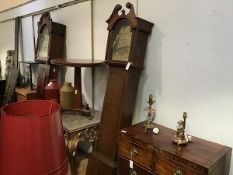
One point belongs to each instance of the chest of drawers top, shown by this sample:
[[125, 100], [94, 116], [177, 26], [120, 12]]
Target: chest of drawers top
[[200, 155]]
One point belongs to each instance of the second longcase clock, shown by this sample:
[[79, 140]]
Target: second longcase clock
[[50, 42]]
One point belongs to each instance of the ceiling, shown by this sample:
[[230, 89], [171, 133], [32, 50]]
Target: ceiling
[[7, 4]]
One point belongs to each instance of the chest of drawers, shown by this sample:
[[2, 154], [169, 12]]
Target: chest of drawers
[[157, 155]]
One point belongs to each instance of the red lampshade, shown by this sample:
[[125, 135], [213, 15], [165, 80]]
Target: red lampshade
[[32, 140]]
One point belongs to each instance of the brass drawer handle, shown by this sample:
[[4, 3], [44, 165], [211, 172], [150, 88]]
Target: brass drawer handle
[[177, 172], [132, 172], [133, 151]]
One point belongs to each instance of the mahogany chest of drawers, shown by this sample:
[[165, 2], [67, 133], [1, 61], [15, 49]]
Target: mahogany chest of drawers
[[156, 154]]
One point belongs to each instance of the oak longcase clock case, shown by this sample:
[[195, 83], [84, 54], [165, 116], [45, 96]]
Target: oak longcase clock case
[[126, 47]]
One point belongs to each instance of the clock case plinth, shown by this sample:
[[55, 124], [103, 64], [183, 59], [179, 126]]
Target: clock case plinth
[[121, 90], [55, 46]]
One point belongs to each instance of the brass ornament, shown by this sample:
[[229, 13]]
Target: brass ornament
[[180, 137], [67, 96]]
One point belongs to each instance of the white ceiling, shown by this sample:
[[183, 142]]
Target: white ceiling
[[7, 4]]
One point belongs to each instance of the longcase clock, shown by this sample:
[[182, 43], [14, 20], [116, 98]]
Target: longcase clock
[[50, 42], [126, 47]]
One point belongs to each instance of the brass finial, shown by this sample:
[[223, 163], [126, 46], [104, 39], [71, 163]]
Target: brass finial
[[185, 115], [150, 101]]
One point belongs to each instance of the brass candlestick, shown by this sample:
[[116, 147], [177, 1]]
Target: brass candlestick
[[180, 136], [150, 113]]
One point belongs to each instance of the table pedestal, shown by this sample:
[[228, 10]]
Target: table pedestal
[[79, 128]]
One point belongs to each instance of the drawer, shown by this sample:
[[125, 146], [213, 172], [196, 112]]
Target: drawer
[[166, 166], [140, 154], [123, 168]]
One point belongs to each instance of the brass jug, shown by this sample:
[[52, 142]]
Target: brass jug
[[67, 96]]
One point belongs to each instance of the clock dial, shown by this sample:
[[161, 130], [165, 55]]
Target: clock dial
[[121, 42], [43, 48]]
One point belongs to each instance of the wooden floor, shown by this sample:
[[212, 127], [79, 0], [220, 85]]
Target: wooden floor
[[82, 161], [82, 166]]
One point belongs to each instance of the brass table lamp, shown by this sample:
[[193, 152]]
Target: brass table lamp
[[150, 113], [180, 137]]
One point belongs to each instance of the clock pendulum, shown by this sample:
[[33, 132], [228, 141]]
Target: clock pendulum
[[126, 47]]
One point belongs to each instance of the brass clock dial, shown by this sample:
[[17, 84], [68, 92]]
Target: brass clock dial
[[121, 42], [43, 47]]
